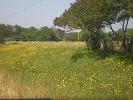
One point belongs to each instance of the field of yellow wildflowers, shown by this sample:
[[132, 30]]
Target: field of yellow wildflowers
[[62, 70]]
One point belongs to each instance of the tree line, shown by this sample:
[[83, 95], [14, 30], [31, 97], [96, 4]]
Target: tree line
[[93, 16], [19, 33]]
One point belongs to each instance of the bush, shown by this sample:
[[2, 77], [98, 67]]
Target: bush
[[70, 37], [2, 40]]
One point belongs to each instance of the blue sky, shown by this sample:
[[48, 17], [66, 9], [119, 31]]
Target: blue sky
[[40, 14]]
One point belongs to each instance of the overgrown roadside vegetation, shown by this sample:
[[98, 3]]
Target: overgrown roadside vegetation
[[64, 70], [13, 86]]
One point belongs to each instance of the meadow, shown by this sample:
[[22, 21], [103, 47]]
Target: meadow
[[63, 70]]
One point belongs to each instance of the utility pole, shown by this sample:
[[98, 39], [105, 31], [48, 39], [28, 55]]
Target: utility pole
[[78, 37]]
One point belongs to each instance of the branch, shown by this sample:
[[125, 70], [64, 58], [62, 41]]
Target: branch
[[126, 25], [110, 26]]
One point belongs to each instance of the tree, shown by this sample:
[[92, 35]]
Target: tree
[[129, 38], [124, 15], [46, 34], [59, 34], [95, 15], [70, 37], [28, 34], [17, 29], [5, 30], [84, 15]]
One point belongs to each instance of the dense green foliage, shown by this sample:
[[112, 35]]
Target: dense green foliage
[[94, 16], [5, 30], [18, 33]]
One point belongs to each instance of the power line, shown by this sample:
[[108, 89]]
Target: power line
[[22, 10]]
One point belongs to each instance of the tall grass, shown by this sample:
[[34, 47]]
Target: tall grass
[[64, 70]]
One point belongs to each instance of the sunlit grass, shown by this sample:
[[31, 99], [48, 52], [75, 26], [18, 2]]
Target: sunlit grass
[[64, 69]]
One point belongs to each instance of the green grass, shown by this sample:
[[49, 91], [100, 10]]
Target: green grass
[[64, 70]]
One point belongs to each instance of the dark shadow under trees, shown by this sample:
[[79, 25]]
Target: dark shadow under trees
[[127, 57]]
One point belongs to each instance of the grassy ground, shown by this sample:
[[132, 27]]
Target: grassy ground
[[63, 70]]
